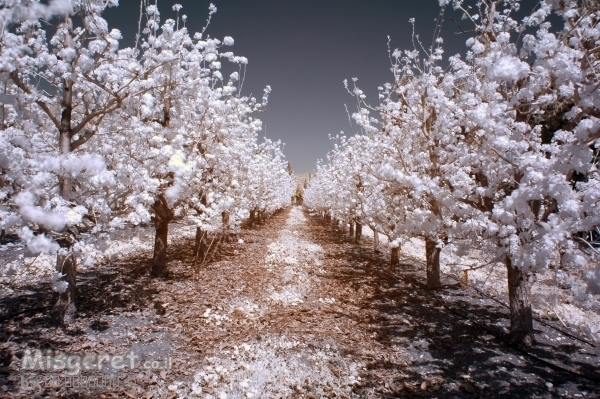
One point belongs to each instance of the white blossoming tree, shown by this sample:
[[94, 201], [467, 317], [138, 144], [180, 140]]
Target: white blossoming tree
[[61, 84], [497, 150], [96, 137]]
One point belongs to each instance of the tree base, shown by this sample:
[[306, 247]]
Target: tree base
[[395, 256], [432, 252], [358, 233], [64, 309], [158, 273], [63, 313], [521, 318]]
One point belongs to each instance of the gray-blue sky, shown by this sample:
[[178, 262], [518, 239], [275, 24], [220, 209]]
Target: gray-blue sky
[[304, 49]]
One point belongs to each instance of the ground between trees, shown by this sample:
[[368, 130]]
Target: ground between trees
[[293, 294]]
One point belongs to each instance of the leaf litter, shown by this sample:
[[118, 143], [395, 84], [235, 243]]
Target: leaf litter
[[289, 309]]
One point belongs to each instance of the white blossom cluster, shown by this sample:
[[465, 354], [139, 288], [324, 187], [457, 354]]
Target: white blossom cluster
[[498, 150], [94, 136], [214, 318], [275, 366]]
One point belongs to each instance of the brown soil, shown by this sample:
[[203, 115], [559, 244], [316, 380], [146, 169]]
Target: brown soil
[[411, 342]]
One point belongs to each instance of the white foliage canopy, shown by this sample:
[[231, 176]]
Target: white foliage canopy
[[499, 150], [156, 121]]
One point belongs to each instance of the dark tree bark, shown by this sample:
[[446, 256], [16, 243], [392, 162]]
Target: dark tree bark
[[358, 233], [64, 308], [521, 322], [227, 236], [159, 261], [375, 240], [351, 231], [252, 217], [162, 216], [65, 136], [395, 256], [225, 219], [199, 242], [432, 252]]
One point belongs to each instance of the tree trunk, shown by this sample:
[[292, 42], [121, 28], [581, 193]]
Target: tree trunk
[[252, 217], [375, 240], [64, 308], [358, 233], [395, 256], [521, 322], [432, 252], [163, 215], [159, 261], [225, 221], [198, 240], [65, 136], [64, 180], [351, 230], [465, 279]]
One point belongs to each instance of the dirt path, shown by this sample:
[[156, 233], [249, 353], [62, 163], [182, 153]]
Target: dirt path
[[290, 309], [256, 322]]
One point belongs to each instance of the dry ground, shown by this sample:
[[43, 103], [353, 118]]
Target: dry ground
[[292, 309]]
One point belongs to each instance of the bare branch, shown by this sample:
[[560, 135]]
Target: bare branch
[[15, 78]]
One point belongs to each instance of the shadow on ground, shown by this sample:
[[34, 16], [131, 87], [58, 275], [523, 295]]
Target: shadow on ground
[[121, 288], [450, 343]]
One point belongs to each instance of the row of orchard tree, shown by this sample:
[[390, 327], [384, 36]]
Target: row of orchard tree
[[496, 150], [95, 137]]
